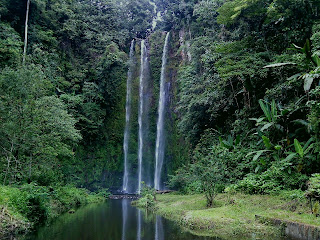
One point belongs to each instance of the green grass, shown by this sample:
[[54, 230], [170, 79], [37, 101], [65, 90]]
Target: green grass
[[233, 215], [23, 207]]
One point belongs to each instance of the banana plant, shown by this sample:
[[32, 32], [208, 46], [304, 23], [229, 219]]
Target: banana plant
[[271, 149], [230, 143], [301, 152], [270, 117], [307, 77]]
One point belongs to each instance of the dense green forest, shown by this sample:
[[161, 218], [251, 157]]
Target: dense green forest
[[62, 110], [244, 104]]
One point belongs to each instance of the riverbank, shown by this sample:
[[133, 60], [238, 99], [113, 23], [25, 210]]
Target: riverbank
[[24, 207], [234, 216]]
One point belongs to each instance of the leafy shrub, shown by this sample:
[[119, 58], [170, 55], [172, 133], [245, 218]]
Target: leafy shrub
[[146, 201], [71, 196], [296, 194], [313, 190], [103, 193], [273, 180], [231, 189], [147, 190], [185, 181], [45, 176], [38, 203], [29, 200]]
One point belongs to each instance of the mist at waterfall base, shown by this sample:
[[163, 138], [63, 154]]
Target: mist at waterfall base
[[112, 220], [144, 170]]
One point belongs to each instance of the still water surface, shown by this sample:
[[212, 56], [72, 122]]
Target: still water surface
[[113, 220], [116, 220]]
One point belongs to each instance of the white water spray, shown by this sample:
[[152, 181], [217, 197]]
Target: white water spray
[[141, 108], [160, 144], [128, 114]]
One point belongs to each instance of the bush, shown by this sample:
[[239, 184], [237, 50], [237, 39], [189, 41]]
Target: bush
[[147, 202], [185, 181], [30, 204], [71, 196], [296, 194], [313, 193], [273, 180], [147, 190], [29, 200], [313, 190]]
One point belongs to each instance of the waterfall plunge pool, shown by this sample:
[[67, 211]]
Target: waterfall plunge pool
[[115, 219], [112, 220]]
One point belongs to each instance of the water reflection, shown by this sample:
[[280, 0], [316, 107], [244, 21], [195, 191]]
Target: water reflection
[[113, 220], [139, 225], [124, 218], [159, 229]]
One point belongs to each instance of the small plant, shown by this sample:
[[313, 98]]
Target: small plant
[[313, 193], [148, 198], [147, 201], [270, 118], [147, 190], [103, 193], [316, 208], [230, 143]]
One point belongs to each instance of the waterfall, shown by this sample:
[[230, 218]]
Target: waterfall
[[128, 113], [144, 63], [160, 124]]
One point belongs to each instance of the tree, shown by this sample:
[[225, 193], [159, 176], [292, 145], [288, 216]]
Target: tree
[[36, 131]]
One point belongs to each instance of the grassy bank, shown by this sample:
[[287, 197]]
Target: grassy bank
[[233, 215], [23, 207]]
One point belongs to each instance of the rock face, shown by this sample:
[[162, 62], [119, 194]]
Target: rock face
[[164, 191], [293, 229], [124, 196]]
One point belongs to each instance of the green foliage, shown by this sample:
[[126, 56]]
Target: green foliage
[[278, 177], [217, 168], [37, 203], [67, 123], [316, 208], [147, 202], [147, 199], [147, 190], [313, 193], [62, 114], [184, 181], [36, 129], [296, 194], [138, 16], [10, 46], [313, 116], [313, 190], [230, 143]]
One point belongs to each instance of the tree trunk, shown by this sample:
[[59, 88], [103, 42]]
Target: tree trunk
[[26, 33]]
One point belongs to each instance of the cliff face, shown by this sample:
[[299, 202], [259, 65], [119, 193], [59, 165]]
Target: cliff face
[[175, 147]]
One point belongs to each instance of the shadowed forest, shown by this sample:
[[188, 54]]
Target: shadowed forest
[[240, 90]]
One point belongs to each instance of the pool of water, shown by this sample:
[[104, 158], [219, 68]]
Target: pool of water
[[113, 220], [117, 220]]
